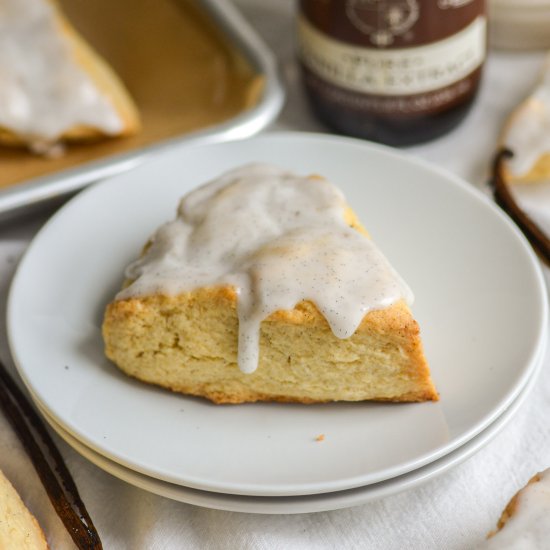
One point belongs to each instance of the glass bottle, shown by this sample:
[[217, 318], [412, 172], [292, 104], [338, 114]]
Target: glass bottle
[[395, 71]]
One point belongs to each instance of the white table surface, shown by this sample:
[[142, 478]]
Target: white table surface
[[453, 511]]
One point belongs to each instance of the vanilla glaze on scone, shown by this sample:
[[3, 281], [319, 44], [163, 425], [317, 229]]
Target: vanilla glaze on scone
[[527, 134], [278, 239]]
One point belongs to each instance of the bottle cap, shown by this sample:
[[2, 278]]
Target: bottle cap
[[519, 24]]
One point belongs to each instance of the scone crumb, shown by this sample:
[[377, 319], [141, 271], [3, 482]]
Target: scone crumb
[[320, 437]]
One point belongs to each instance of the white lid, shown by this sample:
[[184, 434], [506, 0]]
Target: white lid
[[527, 4], [519, 24]]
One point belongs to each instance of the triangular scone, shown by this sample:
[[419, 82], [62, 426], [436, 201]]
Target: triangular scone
[[524, 522], [53, 86], [286, 269], [19, 529], [527, 135]]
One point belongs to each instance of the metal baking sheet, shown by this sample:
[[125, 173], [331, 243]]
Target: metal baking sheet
[[35, 193]]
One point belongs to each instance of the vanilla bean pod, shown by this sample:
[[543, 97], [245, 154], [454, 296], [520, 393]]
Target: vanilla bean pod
[[48, 463], [504, 198]]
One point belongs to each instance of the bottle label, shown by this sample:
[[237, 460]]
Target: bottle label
[[396, 71]]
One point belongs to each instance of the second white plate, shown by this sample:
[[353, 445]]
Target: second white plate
[[480, 302], [296, 504]]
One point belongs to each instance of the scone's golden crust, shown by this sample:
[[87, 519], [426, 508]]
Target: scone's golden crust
[[188, 343], [103, 77], [19, 529]]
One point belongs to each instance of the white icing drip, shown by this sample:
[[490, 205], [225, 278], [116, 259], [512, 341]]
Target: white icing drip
[[278, 239], [529, 527], [43, 91], [528, 135]]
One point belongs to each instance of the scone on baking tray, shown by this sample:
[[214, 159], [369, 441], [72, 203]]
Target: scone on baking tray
[[266, 288], [525, 522], [19, 529], [526, 134], [53, 86]]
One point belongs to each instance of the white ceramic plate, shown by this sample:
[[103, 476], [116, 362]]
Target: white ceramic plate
[[480, 302], [297, 504]]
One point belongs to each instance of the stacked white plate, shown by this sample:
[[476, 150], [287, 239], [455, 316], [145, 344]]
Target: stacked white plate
[[480, 302]]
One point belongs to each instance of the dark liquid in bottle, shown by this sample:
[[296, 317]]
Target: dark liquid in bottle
[[395, 71]]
